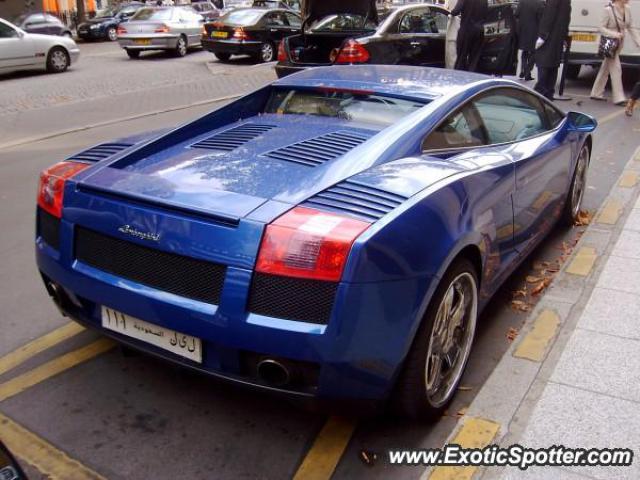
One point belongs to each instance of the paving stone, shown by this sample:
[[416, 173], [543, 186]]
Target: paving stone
[[628, 245], [633, 220], [612, 312], [621, 273]]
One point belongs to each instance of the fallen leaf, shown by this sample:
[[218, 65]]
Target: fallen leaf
[[533, 279], [520, 293], [520, 306], [538, 289], [512, 334], [583, 218], [462, 412], [465, 389]]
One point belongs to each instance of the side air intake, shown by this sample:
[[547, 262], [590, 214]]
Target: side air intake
[[233, 138], [99, 152]]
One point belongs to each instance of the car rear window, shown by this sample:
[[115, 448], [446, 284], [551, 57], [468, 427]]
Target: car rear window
[[242, 17], [344, 22], [153, 14], [353, 106]]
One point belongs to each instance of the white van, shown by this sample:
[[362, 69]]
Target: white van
[[585, 35]]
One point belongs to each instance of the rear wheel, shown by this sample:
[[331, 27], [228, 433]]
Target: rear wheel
[[578, 186], [441, 348], [223, 57], [57, 60], [112, 34], [181, 47], [267, 53], [133, 53]]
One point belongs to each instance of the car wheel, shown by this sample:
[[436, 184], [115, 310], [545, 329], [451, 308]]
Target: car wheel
[[441, 348], [267, 53], [181, 47], [223, 57], [132, 53], [112, 34], [57, 60], [573, 202]]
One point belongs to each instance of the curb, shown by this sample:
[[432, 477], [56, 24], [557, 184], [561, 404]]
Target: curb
[[504, 401]]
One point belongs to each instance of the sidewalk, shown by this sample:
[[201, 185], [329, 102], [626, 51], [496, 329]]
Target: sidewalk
[[572, 377]]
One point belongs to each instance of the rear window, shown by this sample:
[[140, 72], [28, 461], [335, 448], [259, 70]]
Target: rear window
[[344, 22], [242, 17], [153, 14], [351, 106]]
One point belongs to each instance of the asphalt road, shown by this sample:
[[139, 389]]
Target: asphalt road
[[134, 417]]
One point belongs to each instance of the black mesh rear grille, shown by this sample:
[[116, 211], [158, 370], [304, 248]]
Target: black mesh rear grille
[[49, 228], [292, 298], [184, 276]]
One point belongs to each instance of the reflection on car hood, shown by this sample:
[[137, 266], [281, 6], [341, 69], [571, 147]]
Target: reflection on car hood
[[316, 9]]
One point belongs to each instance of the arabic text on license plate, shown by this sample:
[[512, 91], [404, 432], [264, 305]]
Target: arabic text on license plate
[[220, 34], [583, 37], [142, 41], [175, 342]]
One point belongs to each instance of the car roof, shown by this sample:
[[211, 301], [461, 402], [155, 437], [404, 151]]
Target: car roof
[[407, 81]]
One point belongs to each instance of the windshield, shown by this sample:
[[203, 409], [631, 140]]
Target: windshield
[[353, 106], [153, 14], [344, 22], [242, 17], [106, 12]]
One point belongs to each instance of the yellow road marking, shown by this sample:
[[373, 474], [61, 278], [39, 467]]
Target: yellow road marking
[[38, 345], [53, 367], [629, 179], [534, 345], [475, 433], [583, 261], [610, 213], [327, 449], [51, 462]]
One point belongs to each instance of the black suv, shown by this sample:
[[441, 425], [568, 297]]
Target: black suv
[[104, 26]]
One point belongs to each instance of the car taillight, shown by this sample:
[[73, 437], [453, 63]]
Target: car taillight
[[51, 187], [240, 34], [121, 30], [307, 243], [353, 52], [282, 53], [162, 29]]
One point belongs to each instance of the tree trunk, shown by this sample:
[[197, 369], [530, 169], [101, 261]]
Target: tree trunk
[[81, 14]]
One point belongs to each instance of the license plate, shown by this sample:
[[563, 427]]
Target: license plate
[[583, 37], [175, 342], [142, 41], [220, 34]]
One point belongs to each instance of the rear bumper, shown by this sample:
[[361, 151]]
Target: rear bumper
[[92, 34], [164, 42], [231, 47]]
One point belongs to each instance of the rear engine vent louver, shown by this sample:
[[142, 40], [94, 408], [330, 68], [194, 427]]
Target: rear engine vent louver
[[100, 152], [356, 200], [233, 138], [316, 151]]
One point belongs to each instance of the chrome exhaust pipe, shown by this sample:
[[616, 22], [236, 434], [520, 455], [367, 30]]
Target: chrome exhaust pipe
[[273, 373]]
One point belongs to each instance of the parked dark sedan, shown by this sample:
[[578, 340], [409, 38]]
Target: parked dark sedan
[[336, 33], [42, 23], [250, 31], [104, 26]]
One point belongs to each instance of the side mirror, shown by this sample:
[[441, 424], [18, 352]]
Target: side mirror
[[581, 122]]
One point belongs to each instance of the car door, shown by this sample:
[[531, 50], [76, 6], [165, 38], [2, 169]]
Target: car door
[[36, 24], [294, 22], [516, 120], [277, 26], [16, 49], [499, 54], [463, 137], [53, 25], [421, 42]]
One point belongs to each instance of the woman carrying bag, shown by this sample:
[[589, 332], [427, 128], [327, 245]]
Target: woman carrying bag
[[616, 23]]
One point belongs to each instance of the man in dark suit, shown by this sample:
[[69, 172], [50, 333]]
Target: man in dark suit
[[528, 14], [552, 33], [471, 33]]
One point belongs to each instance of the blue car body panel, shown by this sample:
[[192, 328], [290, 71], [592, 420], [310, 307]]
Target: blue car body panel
[[498, 201]]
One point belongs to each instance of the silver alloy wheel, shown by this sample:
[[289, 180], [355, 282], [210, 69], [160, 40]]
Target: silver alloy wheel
[[112, 34], [579, 182], [266, 52], [181, 47], [59, 60], [451, 338]]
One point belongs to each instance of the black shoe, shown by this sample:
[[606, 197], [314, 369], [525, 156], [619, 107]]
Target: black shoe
[[529, 78], [522, 75]]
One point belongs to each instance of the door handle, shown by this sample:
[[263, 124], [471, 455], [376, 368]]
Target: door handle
[[415, 44]]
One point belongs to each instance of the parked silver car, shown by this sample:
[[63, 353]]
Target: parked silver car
[[161, 28], [20, 50]]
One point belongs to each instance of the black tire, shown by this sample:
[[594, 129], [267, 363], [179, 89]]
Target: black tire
[[268, 53], [573, 201], [112, 34], [573, 71], [67, 34], [181, 47], [411, 396], [223, 57], [132, 53], [57, 60]]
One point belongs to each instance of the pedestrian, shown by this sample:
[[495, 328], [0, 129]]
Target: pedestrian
[[471, 34], [633, 100], [552, 34], [616, 22], [451, 37], [528, 15]]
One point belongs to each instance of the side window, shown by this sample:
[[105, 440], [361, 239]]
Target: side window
[[440, 21], [294, 20], [554, 116], [7, 32], [52, 19], [275, 19], [510, 115], [462, 129], [417, 21]]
